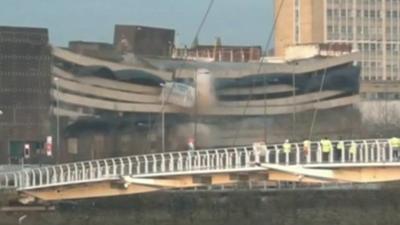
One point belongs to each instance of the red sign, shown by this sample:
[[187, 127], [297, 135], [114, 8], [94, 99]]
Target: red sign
[[49, 146]]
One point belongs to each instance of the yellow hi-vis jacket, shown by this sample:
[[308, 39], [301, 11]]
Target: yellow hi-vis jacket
[[353, 148], [307, 144], [286, 147], [394, 142], [326, 145]]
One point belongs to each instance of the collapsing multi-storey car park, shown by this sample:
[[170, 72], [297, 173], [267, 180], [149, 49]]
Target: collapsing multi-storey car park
[[119, 105], [103, 108]]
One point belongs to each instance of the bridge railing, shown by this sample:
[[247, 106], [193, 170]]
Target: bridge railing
[[202, 161]]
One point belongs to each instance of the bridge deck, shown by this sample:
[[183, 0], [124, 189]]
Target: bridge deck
[[371, 153]]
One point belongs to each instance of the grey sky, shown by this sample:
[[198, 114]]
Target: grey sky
[[236, 21]]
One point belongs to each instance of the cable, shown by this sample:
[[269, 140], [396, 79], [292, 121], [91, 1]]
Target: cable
[[315, 113], [210, 5], [204, 19], [294, 119], [258, 72]]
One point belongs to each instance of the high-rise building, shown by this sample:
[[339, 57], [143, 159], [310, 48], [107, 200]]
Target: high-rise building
[[25, 80], [371, 26]]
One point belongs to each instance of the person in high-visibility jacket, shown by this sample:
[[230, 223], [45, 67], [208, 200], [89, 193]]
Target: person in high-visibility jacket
[[395, 143], [287, 147], [353, 151], [306, 148], [327, 147], [340, 149]]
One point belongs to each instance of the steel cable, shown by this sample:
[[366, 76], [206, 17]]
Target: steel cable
[[258, 71]]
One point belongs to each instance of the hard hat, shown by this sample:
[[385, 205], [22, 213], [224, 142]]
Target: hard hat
[[287, 140]]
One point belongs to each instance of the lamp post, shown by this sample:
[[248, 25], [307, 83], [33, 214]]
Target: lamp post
[[162, 118], [57, 117]]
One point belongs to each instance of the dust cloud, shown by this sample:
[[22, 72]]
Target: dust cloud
[[205, 90]]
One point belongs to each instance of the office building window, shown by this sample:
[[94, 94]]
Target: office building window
[[372, 14], [329, 13], [343, 13], [359, 30], [359, 14]]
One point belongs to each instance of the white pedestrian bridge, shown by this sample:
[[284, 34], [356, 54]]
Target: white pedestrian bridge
[[374, 161]]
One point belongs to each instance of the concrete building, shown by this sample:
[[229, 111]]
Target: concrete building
[[371, 26], [142, 40], [25, 80]]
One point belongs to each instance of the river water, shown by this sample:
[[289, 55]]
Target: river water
[[343, 207]]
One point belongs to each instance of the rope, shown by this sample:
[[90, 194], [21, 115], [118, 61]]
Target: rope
[[258, 71], [165, 99], [315, 113], [294, 119]]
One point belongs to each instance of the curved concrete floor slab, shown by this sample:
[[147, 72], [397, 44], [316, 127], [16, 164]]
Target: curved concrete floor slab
[[91, 102]]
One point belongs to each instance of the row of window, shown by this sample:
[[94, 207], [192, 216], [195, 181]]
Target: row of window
[[378, 47], [297, 21], [378, 77], [363, 29], [365, 2], [381, 96], [362, 13]]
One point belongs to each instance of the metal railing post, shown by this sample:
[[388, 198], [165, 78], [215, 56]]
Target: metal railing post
[[162, 163], [319, 153], [237, 158], [138, 165], [122, 168], [189, 160], [27, 183], [198, 160], [83, 171], [75, 173], [90, 171], [378, 151], [343, 153], [217, 166], [68, 174], [130, 166], [180, 162], [40, 177], [171, 162], [154, 161], [55, 176], [366, 152], [62, 178], [146, 165], [276, 154]]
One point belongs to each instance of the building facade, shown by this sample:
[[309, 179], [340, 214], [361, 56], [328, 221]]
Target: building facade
[[219, 53], [25, 80], [371, 26], [145, 41]]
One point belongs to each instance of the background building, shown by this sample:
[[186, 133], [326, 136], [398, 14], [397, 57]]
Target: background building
[[25, 80], [141, 40], [371, 26]]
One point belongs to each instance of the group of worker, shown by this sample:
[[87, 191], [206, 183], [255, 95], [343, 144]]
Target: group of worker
[[395, 144], [327, 147]]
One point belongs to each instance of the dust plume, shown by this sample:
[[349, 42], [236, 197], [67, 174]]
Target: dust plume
[[205, 90]]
